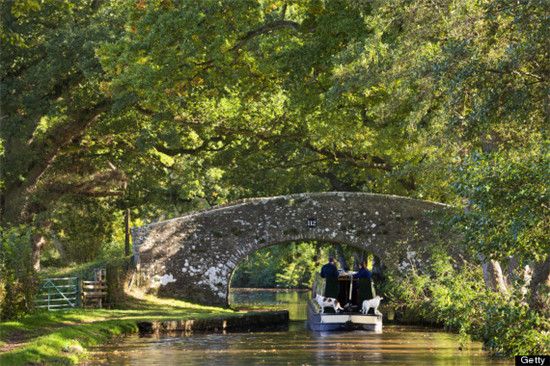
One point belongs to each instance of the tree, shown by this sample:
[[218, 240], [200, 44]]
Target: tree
[[50, 97], [167, 106], [471, 79]]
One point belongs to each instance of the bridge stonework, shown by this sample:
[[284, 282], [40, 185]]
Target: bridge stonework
[[193, 257]]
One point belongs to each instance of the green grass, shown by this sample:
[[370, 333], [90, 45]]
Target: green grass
[[72, 270], [47, 334], [49, 349], [83, 270]]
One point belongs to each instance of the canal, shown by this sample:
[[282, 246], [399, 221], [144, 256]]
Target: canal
[[295, 345]]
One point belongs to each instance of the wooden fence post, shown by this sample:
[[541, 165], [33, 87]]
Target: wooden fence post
[[127, 232]]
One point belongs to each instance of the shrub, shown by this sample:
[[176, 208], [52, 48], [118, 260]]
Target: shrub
[[17, 276], [512, 328], [457, 299]]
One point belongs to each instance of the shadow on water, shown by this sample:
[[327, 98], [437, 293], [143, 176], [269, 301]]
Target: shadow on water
[[396, 345]]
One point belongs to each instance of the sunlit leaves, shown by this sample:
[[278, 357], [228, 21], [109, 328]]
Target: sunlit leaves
[[507, 210], [212, 101]]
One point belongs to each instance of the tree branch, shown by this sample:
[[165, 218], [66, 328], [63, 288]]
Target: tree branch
[[264, 29], [335, 183], [364, 161], [189, 151], [47, 149], [96, 185]]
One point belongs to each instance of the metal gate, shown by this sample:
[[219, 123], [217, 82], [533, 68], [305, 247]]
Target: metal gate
[[59, 293]]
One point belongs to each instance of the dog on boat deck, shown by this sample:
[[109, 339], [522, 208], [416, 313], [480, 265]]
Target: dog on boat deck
[[372, 303], [328, 302]]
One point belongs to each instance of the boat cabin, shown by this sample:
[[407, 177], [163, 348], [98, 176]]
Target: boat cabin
[[351, 292]]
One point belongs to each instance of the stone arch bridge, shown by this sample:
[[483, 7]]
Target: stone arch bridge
[[193, 257]]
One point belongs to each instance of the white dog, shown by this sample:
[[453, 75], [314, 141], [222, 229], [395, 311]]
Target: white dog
[[372, 303], [328, 302]]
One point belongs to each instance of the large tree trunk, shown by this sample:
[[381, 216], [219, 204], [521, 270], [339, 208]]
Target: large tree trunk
[[17, 194], [38, 242], [59, 247], [127, 232], [493, 276], [540, 287], [513, 272], [13, 205]]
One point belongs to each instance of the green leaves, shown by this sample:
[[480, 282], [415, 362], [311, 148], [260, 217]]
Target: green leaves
[[203, 102], [507, 209], [17, 276], [455, 297]]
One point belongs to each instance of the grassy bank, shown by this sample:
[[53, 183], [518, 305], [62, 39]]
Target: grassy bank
[[64, 337]]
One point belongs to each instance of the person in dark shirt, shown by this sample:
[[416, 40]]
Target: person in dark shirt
[[329, 270], [364, 290], [363, 272]]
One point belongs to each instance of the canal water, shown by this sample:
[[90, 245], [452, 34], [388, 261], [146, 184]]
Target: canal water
[[396, 345]]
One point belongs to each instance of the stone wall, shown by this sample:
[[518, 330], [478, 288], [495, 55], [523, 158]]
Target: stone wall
[[192, 257], [247, 322]]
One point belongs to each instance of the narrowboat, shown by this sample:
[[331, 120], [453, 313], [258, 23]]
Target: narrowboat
[[350, 318]]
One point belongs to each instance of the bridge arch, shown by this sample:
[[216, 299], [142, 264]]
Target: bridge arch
[[193, 257]]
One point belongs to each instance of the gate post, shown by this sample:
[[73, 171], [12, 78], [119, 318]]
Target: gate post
[[78, 292]]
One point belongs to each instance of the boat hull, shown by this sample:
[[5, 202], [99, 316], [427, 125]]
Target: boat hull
[[342, 321]]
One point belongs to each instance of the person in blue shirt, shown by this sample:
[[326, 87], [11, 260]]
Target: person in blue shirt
[[364, 289], [330, 272], [363, 272]]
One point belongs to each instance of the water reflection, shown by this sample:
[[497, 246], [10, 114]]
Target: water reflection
[[397, 345], [292, 300], [297, 346]]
